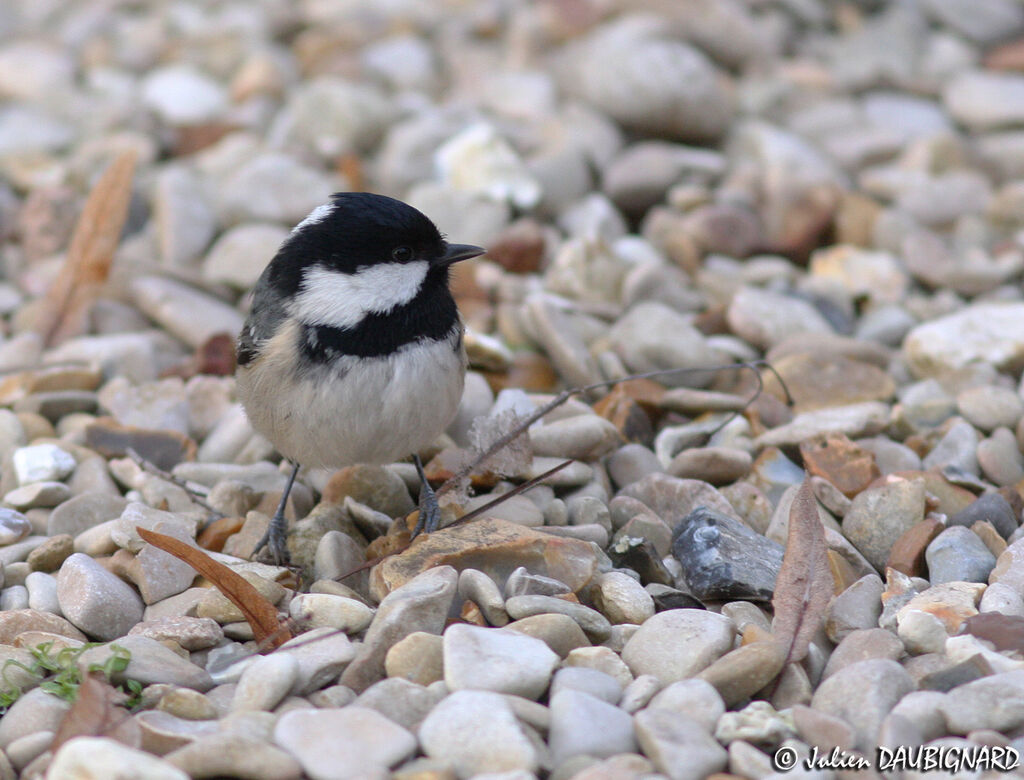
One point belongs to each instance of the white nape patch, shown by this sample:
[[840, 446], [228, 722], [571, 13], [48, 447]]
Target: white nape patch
[[319, 214], [341, 300]]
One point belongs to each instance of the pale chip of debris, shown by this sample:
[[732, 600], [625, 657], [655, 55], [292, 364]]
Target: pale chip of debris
[[514, 456]]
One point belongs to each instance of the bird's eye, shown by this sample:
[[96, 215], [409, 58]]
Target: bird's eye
[[402, 254]]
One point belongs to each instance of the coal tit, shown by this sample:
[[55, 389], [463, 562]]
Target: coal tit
[[352, 351]]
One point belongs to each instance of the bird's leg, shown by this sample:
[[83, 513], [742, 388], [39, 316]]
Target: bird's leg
[[430, 512], [276, 537]]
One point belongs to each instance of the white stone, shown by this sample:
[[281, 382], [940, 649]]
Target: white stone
[[983, 333], [100, 758], [265, 682], [325, 609], [42, 463], [182, 95], [678, 643], [492, 660], [481, 161]]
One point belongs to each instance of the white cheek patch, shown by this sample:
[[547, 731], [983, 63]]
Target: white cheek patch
[[341, 300], [319, 214]]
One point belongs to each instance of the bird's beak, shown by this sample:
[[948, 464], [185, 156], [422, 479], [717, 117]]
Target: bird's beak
[[455, 252]]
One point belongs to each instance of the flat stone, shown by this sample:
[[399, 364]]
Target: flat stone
[[679, 747], [84, 511], [862, 645], [418, 658], [841, 462], [15, 622], [991, 333], [191, 633], [880, 515], [993, 702], [320, 610], [322, 654], [678, 643], [38, 495], [265, 682], [724, 559], [959, 554], [862, 694], [580, 437], [582, 724], [150, 662], [853, 420], [477, 732], [420, 604], [715, 465], [487, 659], [908, 552], [672, 499], [591, 621], [344, 743], [559, 632], [96, 601], [401, 701], [93, 758], [988, 507], [819, 381], [495, 547], [225, 754]]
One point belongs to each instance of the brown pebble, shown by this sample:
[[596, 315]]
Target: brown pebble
[[48, 556], [848, 466], [907, 554]]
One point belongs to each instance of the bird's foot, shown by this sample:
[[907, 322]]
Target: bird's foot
[[275, 540], [430, 511]]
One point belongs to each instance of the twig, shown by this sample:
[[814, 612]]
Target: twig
[[565, 395], [152, 468]]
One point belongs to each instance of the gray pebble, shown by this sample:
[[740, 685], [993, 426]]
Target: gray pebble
[[958, 555]]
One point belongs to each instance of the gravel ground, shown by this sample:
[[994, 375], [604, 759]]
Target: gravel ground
[[837, 187]]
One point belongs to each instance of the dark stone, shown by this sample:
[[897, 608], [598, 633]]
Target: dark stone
[[988, 506], [949, 678], [55, 404], [666, 597], [164, 449], [638, 554], [723, 559]]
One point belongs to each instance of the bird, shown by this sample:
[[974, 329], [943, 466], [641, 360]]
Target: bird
[[352, 351]]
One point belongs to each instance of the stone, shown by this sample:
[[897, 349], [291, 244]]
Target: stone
[[611, 69], [590, 681], [679, 747], [582, 724], [495, 547], [477, 732], [907, 554], [672, 499], [652, 336], [418, 658], [84, 511], [981, 333], [765, 318], [862, 694], [715, 465], [401, 701], [724, 559], [581, 437], [861, 645], [591, 621], [213, 755], [989, 507], [853, 420], [958, 554], [739, 674], [559, 632], [841, 462], [239, 256], [96, 601], [481, 590], [695, 698], [322, 654], [857, 607], [836, 380], [1000, 459], [320, 610], [421, 604], [34, 711], [343, 743], [265, 682], [989, 703], [880, 515], [487, 659], [622, 599], [678, 643], [985, 100], [38, 495], [92, 758], [15, 622], [150, 662], [14, 526], [42, 463], [49, 556]]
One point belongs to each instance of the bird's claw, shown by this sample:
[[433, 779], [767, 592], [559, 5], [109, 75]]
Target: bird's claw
[[276, 541], [430, 511]]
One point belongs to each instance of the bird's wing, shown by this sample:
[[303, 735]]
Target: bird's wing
[[265, 317]]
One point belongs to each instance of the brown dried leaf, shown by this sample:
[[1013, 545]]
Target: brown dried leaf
[[804, 585], [1006, 632], [96, 713], [260, 613], [90, 254]]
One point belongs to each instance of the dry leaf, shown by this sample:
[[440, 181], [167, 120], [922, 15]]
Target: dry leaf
[[804, 585], [1006, 632], [95, 713], [260, 613], [90, 254]]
